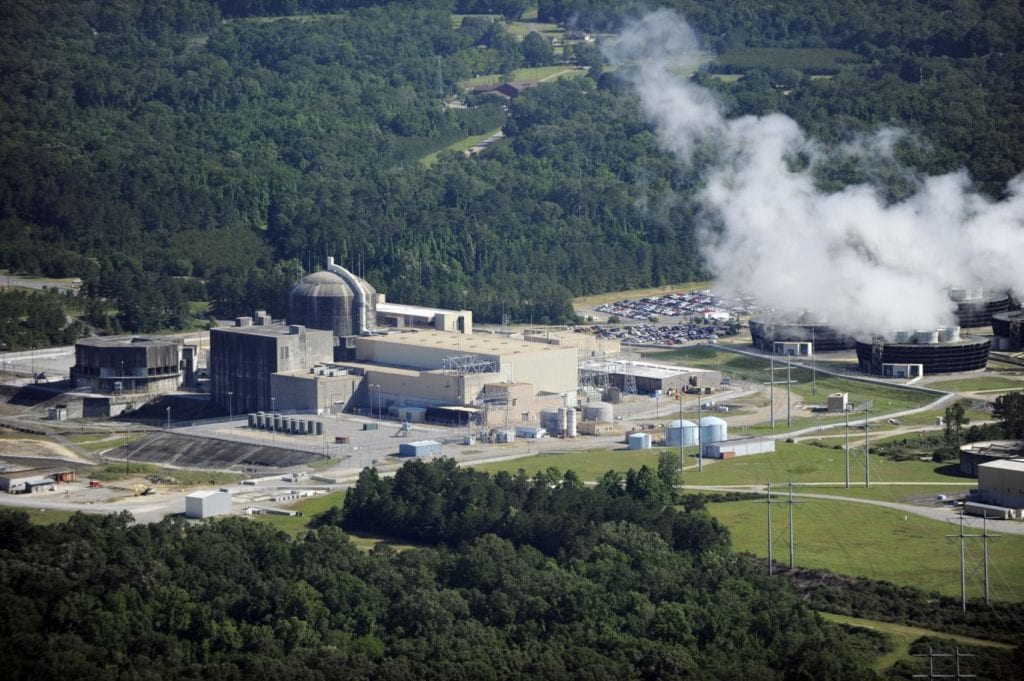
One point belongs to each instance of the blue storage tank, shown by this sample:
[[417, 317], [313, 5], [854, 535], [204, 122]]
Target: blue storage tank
[[681, 430], [713, 429]]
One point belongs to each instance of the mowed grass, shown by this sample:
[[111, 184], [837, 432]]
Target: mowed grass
[[857, 539], [978, 383], [47, 517], [310, 507], [903, 637], [802, 463], [589, 465], [539, 73]]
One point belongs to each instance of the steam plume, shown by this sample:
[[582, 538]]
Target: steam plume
[[864, 264]]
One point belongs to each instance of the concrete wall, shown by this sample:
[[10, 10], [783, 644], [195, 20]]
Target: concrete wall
[[302, 391]]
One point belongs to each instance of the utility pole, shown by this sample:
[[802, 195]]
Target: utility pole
[[168, 418], [847, 448], [789, 390], [771, 539], [867, 459], [682, 434], [231, 407], [771, 384]]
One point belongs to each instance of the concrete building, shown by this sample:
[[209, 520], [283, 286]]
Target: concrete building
[[34, 479], [421, 448], [397, 316], [730, 449], [243, 358], [132, 365], [651, 377], [207, 504], [838, 401], [1001, 483]]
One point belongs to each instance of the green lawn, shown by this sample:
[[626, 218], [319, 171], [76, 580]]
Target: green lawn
[[538, 73], [520, 29], [807, 463], [45, 517], [874, 542], [588, 465], [461, 145], [310, 506], [960, 385], [903, 636], [802, 59]]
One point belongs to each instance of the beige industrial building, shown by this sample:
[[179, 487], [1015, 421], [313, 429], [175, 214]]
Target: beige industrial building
[[1001, 483], [488, 379]]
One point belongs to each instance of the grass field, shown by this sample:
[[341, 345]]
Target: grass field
[[44, 517], [540, 73], [119, 471], [805, 463], [802, 59], [310, 506], [588, 465], [903, 636], [461, 145], [875, 542], [978, 383]]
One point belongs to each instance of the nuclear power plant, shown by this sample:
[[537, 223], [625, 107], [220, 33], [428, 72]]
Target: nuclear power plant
[[975, 306]]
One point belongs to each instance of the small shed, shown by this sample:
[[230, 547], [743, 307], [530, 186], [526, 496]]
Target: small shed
[[420, 448], [207, 504]]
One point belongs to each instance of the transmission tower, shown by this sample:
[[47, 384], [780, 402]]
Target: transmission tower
[[932, 674], [985, 537], [768, 501], [628, 378]]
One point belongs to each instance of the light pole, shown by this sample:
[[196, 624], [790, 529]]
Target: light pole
[[273, 419], [168, 418], [231, 407]]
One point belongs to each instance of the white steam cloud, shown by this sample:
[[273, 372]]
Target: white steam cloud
[[851, 257]]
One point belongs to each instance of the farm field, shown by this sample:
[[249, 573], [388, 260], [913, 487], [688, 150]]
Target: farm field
[[539, 73], [875, 542]]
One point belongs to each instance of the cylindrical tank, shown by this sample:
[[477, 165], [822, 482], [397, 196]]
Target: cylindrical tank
[[563, 420], [570, 423], [293, 425], [902, 336], [681, 430], [319, 427], [639, 440], [278, 422], [252, 420], [713, 429], [302, 426], [549, 420], [310, 427], [598, 411], [929, 336]]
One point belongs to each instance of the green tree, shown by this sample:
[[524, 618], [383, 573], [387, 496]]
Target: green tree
[[537, 50], [1008, 409]]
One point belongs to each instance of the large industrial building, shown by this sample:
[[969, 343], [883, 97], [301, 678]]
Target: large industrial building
[[938, 351], [132, 365], [244, 357], [647, 377], [1001, 485], [974, 454], [768, 330]]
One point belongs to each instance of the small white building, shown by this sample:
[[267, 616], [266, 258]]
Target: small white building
[[838, 401], [730, 449], [207, 504]]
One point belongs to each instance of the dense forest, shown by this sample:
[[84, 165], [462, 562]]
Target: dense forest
[[209, 151], [512, 577]]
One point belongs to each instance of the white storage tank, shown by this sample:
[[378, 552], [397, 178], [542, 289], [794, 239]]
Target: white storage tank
[[713, 429], [683, 430], [598, 411], [563, 420], [252, 420], [570, 423], [639, 440]]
